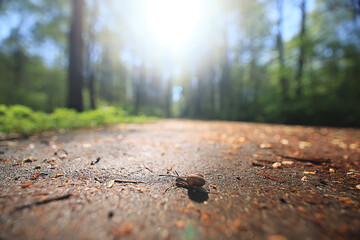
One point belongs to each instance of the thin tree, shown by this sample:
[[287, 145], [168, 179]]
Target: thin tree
[[168, 98], [302, 45], [92, 16], [75, 69], [280, 48]]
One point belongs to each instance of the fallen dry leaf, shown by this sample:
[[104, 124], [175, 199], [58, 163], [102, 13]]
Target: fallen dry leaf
[[124, 230], [26, 185], [287, 162], [301, 209], [11, 144], [303, 178], [86, 145], [111, 183], [308, 172], [344, 229], [353, 146], [277, 237], [206, 219], [5, 160], [265, 145], [347, 200], [303, 144]]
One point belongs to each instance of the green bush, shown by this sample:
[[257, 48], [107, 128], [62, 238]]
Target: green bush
[[21, 119]]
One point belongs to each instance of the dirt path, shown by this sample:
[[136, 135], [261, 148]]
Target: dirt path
[[263, 182]]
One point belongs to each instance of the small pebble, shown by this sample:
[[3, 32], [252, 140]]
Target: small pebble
[[276, 165]]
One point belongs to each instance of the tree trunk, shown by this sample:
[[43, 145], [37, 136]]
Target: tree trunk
[[138, 85], [92, 13], [280, 48], [92, 90], [301, 59], [212, 94], [198, 97], [168, 98], [225, 88], [75, 70]]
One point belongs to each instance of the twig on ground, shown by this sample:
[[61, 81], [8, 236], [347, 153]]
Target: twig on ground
[[127, 181], [98, 180], [317, 161], [148, 168], [29, 205], [96, 161], [172, 185]]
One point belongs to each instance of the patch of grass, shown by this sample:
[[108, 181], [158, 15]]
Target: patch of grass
[[22, 119]]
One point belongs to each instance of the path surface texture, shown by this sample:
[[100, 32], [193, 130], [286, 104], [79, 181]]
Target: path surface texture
[[262, 182]]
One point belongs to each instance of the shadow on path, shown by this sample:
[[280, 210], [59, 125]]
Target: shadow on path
[[199, 195]]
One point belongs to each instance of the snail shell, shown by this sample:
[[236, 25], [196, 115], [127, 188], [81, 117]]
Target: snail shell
[[195, 180]]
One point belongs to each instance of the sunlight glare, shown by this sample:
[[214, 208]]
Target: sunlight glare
[[173, 21]]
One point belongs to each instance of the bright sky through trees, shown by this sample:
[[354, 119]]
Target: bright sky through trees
[[250, 60], [173, 22]]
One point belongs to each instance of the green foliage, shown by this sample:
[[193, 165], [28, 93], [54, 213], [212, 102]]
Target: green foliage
[[22, 119], [241, 81]]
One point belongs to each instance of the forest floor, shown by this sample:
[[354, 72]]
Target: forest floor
[[263, 181]]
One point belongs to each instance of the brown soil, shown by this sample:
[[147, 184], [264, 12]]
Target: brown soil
[[262, 182]]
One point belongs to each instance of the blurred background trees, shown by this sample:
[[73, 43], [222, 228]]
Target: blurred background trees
[[294, 62]]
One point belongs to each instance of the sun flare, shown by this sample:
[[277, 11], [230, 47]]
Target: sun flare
[[173, 22]]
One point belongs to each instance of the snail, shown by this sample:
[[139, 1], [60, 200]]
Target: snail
[[194, 180]]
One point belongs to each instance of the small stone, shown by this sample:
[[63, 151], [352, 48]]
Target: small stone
[[265, 145], [353, 146], [303, 144], [276, 165]]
